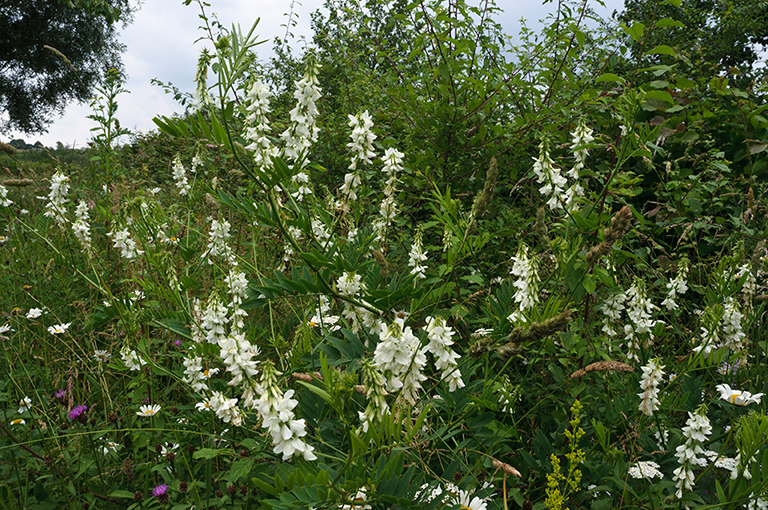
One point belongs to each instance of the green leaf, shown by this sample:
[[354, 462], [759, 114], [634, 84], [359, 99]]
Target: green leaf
[[121, 494], [589, 283], [417, 426], [662, 49], [264, 485], [676, 3], [636, 31], [610, 77], [209, 453], [173, 325], [317, 391], [764, 466], [669, 22], [239, 469], [756, 146]]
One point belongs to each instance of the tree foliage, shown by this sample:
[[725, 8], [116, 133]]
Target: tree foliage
[[53, 53], [714, 36]]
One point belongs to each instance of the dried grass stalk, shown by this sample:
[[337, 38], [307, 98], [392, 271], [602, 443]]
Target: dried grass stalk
[[604, 366]]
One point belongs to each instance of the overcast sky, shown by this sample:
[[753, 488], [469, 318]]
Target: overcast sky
[[160, 43]]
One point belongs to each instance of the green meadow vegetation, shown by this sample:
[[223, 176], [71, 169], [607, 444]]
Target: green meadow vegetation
[[420, 265]]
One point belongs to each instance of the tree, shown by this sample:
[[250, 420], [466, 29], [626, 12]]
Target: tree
[[53, 53], [713, 36]]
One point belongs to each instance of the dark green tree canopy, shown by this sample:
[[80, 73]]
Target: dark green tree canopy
[[53, 53], [715, 36]]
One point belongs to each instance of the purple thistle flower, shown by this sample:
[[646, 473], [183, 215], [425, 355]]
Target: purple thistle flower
[[160, 490], [60, 394], [177, 343], [78, 413]]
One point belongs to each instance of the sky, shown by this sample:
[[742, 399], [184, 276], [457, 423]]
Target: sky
[[160, 43]]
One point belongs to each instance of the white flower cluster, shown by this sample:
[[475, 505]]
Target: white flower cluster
[[238, 291], [580, 137], [750, 282], [677, 286], [696, 430], [653, 373], [25, 404], [322, 318], [350, 285], [195, 375], [757, 503], [439, 334], [239, 355], [4, 200], [362, 152], [211, 324], [453, 496], [123, 242], [257, 125], [723, 330], [732, 333], [226, 408], [276, 410], [362, 139], [524, 267], [612, 308], [131, 359], [57, 198], [400, 356], [393, 163], [301, 181], [548, 175], [507, 394], [417, 256], [218, 236], [180, 176], [321, 233], [296, 234], [81, 227], [373, 382], [302, 132], [640, 321], [645, 469]]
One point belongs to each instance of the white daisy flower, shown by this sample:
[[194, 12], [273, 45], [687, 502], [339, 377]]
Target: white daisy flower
[[149, 410]]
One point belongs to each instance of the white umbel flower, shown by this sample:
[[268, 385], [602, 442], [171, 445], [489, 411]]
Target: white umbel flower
[[645, 469]]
